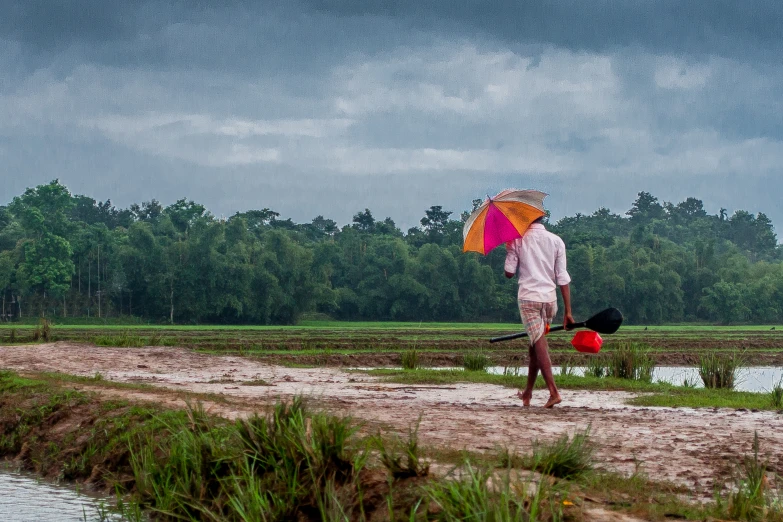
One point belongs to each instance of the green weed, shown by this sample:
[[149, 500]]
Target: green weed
[[509, 459], [567, 367], [512, 371], [46, 330], [596, 367], [256, 382], [262, 468], [749, 501], [475, 362], [777, 395], [705, 398], [720, 371], [410, 359], [629, 360], [567, 457], [472, 498], [687, 383], [409, 463], [123, 340]]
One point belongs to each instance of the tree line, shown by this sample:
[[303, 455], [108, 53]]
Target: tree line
[[66, 255]]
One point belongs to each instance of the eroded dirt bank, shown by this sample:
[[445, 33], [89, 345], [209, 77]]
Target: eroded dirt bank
[[690, 447]]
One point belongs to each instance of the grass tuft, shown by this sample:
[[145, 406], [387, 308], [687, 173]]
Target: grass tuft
[[123, 340], [409, 463], [629, 360], [720, 370], [777, 395], [749, 501], [256, 382], [596, 367], [475, 362], [410, 359], [568, 367], [567, 457], [472, 498], [44, 330], [263, 468]]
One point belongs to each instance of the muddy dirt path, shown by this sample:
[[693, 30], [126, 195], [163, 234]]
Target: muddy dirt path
[[687, 446]]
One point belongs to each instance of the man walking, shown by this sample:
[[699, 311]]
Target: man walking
[[539, 259]]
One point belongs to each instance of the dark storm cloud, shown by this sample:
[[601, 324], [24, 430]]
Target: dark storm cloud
[[394, 106], [704, 27]]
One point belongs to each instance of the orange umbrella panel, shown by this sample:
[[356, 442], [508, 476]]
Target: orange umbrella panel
[[501, 219]]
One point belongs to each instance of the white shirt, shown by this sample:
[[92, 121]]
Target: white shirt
[[539, 259]]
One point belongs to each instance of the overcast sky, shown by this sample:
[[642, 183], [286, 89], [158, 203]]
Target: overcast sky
[[330, 106]]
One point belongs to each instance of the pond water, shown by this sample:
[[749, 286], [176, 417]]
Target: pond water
[[753, 379], [23, 498]]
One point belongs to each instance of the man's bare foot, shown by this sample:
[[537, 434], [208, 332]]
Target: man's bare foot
[[552, 401], [525, 399]]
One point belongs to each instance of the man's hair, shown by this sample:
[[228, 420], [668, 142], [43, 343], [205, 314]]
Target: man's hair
[[540, 220]]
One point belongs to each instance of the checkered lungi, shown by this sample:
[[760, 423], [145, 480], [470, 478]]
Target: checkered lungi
[[536, 316]]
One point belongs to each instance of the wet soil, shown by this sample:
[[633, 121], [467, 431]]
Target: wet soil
[[690, 447]]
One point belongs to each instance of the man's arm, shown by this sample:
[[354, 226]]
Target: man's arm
[[563, 280], [511, 260], [568, 319]]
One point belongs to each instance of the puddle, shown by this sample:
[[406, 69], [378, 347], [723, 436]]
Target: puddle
[[23, 498], [760, 379]]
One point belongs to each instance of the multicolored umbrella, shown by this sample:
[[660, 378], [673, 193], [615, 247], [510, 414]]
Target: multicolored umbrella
[[501, 218]]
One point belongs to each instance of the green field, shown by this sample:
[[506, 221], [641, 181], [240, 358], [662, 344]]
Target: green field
[[350, 326], [383, 343]]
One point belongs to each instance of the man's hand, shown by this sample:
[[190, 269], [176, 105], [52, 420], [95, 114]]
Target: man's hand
[[568, 320]]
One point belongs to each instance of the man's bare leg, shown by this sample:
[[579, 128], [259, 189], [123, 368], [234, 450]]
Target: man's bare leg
[[532, 375], [545, 365]]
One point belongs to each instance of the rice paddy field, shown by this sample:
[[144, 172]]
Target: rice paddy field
[[382, 344], [102, 404]]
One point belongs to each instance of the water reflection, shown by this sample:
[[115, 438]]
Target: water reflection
[[26, 499]]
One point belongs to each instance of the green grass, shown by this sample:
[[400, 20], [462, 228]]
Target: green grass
[[294, 463], [566, 457], [629, 360], [475, 362], [681, 397], [471, 498], [776, 395], [688, 329], [720, 370], [410, 359]]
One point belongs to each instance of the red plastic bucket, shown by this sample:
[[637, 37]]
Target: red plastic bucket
[[587, 342]]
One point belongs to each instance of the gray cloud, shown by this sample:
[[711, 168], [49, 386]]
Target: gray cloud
[[327, 108]]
